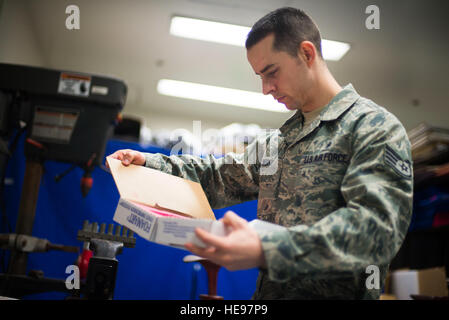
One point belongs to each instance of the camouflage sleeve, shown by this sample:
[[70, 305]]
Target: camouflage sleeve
[[378, 190], [226, 181]]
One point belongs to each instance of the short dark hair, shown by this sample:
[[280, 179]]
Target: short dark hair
[[290, 27]]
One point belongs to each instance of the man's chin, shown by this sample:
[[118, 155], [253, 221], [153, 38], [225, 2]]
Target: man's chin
[[291, 107]]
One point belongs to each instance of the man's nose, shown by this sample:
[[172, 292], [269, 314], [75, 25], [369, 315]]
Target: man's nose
[[267, 87]]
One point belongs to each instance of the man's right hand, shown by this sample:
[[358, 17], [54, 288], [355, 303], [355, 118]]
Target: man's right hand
[[128, 156]]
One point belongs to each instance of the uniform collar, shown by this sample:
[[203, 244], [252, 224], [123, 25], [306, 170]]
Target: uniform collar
[[339, 104], [292, 122], [292, 130]]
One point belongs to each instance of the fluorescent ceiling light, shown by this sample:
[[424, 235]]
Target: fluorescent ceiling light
[[234, 97], [209, 31], [333, 50], [236, 35]]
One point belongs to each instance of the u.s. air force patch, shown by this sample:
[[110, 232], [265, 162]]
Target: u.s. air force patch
[[402, 167]]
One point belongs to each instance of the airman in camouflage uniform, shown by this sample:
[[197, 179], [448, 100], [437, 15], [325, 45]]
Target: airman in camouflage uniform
[[341, 186]]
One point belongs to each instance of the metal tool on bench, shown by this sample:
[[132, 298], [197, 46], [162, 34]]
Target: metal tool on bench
[[90, 231], [102, 266], [25, 243], [15, 285]]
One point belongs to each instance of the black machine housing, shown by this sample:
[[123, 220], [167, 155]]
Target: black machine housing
[[70, 115]]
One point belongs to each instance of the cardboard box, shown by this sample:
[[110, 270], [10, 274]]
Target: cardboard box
[[427, 282], [160, 207]]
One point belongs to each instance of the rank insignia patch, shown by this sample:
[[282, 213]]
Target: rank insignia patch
[[403, 167]]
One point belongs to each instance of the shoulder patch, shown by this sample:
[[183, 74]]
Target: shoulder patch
[[402, 167]]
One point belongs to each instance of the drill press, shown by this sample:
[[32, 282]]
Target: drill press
[[66, 116]]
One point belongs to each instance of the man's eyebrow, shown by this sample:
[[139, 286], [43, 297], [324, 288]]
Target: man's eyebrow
[[265, 69]]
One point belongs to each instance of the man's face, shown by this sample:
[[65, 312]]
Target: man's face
[[285, 77]]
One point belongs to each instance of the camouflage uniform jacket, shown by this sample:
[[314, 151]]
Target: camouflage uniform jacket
[[342, 187]]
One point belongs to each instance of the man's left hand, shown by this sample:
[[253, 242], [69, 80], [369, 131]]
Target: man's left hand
[[240, 249]]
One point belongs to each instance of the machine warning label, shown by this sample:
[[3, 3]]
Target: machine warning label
[[53, 124], [74, 84]]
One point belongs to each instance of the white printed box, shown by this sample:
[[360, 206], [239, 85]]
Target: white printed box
[[160, 207]]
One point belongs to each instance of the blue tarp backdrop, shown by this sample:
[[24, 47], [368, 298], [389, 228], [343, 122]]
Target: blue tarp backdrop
[[148, 271]]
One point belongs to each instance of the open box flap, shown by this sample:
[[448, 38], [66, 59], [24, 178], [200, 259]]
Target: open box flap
[[160, 190]]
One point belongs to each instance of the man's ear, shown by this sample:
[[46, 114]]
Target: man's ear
[[307, 52]]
